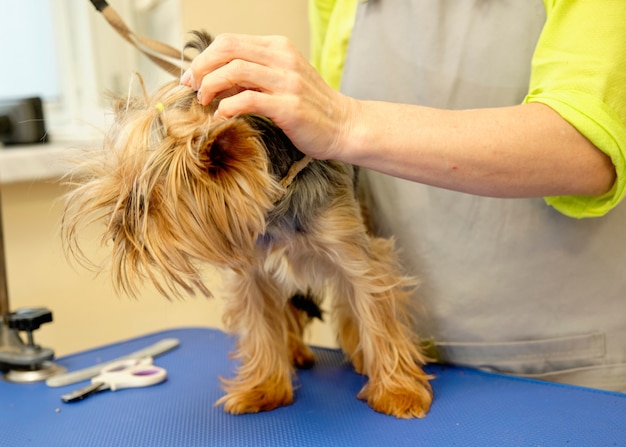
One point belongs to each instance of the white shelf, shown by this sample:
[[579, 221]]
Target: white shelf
[[40, 162]]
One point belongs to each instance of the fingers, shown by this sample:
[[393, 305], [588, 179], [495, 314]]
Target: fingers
[[228, 47], [234, 59], [238, 75], [221, 51], [268, 76], [246, 101]]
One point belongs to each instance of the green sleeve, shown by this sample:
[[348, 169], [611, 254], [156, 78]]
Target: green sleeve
[[331, 23], [579, 70]]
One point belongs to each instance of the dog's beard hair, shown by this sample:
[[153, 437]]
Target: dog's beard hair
[[169, 172]]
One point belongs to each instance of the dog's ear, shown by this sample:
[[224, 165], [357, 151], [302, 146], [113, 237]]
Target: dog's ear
[[232, 144]]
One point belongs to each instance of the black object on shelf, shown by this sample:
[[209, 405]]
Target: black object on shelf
[[22, 122]]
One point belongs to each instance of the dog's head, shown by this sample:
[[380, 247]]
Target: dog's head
[[174, 187]]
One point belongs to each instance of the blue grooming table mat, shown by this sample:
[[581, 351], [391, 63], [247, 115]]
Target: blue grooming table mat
[[471, 408]]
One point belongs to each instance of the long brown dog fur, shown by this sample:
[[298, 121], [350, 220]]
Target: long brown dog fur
[[177, 188]]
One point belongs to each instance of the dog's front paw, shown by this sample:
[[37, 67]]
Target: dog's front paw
[[404, 403], [264, 397]]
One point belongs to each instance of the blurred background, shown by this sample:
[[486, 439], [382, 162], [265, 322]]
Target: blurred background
[[65, 52]]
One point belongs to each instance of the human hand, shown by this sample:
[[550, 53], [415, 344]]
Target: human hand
[[267, 75]]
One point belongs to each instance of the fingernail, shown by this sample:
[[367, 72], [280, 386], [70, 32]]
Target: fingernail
[[184, 79]]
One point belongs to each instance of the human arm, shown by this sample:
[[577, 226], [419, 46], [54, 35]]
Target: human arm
[[578, 77], [519, 151]]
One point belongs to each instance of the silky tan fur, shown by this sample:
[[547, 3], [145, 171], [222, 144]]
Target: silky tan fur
[[177, 189]]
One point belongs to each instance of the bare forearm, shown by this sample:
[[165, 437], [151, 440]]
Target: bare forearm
[[520, 151]]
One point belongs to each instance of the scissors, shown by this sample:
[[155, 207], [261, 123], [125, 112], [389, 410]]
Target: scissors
[[128, 373]]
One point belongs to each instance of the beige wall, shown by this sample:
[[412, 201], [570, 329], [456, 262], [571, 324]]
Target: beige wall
[[87, 313], [266, 17]]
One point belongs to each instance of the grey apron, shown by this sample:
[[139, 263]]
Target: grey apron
[[509, 285]]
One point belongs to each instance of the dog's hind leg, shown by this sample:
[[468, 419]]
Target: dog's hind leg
[[348, 332], [255, 310]]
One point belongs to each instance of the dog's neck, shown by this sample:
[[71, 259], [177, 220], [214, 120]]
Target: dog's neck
[[286, 161]]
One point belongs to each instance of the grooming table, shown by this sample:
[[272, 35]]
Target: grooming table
[[471, 408]]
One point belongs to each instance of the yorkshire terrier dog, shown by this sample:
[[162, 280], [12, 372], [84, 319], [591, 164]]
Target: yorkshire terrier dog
[[177, 188]]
